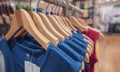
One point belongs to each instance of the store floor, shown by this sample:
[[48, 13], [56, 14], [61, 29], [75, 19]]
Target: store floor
[[109, 54]]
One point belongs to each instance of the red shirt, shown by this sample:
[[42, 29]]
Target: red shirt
[[93, 58]]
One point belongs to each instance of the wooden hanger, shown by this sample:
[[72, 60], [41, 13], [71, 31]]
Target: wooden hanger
[[50, 27], [63, 19], [82, 28], [63, 25], [69, 30], [79, 26], [86, 58], [91, 43], [42, 28], [21, 18], [58, 20], [76, 23], [90, 46], [57, 26], [101, 35], [82, 22], [19, 32], [1, 20], [62, 22], [89, 50], [70, 24], [83, 65], [56, 23], [85, 24]]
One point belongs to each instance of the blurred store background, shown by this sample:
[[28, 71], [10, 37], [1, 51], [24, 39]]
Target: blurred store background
[[107, 15], [102, 14]]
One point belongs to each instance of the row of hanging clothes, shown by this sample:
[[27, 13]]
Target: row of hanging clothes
[[6, 12], [48, 42]]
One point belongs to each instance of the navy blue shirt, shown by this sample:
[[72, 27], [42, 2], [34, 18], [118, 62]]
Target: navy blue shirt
[[54, 60], [75, 46], [77, 52]]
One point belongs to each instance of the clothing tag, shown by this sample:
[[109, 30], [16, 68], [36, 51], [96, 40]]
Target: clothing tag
[[85, 40], [80, 71], [36, 68], [83, 65], [30, 67]]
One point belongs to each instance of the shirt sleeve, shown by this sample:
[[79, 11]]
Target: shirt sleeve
[[94, 35]]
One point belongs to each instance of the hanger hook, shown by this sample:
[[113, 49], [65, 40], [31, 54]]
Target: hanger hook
[[9, 2], [52, 10], [51, 7], [30, 2], [38, 3], [56, 10], [18, 1], [59, 9], [57, 1], [47, 7]]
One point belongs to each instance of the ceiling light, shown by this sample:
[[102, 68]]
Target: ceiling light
[[107, 0], [12, 4], [41, 1], [114, 0]]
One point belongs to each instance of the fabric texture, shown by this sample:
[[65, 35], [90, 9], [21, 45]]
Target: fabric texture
[[54, 60], [75, 47], [71, 52], [94, 35]]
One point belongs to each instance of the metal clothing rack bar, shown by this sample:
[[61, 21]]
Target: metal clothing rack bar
[[56, 2], [75, 8], [65, 4]]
